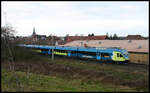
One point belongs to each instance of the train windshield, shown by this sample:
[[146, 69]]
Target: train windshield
[[125, 53]]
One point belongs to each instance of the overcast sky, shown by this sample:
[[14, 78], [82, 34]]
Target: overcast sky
[[82, 18]]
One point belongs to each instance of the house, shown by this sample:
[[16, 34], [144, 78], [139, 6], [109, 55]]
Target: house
[[72, 38], [36, 37], [134, 37]]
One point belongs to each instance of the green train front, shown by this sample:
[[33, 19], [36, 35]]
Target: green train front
[[115, 55], [120, 56]]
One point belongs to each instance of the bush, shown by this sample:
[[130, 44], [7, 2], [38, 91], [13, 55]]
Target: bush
[[18, 54]]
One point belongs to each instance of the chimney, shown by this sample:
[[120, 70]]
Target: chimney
[[139, 47]]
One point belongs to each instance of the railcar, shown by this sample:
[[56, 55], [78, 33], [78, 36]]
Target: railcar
[[115, 55]]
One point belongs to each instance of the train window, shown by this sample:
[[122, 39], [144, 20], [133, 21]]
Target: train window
[[121, 55], [87, 53], [104, 54], [73, 51], [62, 51], [118, 55]]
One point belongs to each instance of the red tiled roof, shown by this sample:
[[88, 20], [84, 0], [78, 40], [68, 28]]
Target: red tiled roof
[[134, 37], [72, 38]]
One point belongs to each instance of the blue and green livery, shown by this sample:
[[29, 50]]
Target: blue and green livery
[[116, 55]]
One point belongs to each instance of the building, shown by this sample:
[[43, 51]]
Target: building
[[138, 49], [72, 38], [134, 37], [35, 37], [33, 31]]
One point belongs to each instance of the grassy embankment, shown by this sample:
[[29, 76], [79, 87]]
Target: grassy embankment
[[44, 83], [40, 73]]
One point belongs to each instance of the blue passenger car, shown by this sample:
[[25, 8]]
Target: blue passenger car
[[102, 54]]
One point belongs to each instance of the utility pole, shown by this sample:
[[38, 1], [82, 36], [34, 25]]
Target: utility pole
[[5, 15], [5, 19], [11, 58], [52, 48]]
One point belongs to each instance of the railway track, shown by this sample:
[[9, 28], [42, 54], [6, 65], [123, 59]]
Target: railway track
[[138, 65], [130, 64]]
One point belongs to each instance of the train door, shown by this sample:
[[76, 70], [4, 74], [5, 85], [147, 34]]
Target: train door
[[69, 53], [74, 53], [105, 56], [98, 56]]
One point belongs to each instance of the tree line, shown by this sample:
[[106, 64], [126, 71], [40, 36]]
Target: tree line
[[112, 37]]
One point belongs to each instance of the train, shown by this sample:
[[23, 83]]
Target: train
[[101, 54]]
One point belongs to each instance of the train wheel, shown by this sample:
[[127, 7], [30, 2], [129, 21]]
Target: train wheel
[[117, 62], [125, 63], [113, 62]]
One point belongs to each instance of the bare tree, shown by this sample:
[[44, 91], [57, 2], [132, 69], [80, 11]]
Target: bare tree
[[6, 33]]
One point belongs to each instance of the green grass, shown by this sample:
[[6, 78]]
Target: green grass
[[116, 70], [42, 83]]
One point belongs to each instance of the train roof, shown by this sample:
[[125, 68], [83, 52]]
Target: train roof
[[87, 49]]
